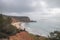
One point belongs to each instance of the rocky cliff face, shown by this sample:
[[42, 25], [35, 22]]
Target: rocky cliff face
[[21, 18], [12, 33]]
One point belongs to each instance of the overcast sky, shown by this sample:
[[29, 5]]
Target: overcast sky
[[37, 9]]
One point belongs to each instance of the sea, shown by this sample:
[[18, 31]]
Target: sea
[[42, 27]]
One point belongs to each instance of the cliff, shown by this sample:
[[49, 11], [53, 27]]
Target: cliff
[[9, 32], [21, 36], [22, 18]]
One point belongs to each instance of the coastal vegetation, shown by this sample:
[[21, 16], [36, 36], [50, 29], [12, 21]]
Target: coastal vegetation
[[54, 35], [6, 30]]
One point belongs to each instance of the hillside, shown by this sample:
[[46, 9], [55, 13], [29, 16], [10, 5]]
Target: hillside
[[26, 36], [12, 33], [21, 36], [21, 18]]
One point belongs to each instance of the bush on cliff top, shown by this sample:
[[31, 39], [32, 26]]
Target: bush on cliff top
[[6, 28]]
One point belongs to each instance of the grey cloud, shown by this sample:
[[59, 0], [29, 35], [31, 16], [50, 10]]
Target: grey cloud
[[53, 3], [16, 6]]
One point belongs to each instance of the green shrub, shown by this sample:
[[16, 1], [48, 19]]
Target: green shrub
[[34, 37], [3, 35], [5, 26], [55, 35]]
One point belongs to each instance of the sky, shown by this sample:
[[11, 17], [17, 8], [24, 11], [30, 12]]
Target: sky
[[35, 9]]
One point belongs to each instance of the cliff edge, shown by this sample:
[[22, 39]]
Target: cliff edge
[[21, 36]]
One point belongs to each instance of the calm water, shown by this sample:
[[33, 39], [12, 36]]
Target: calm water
[[43, 27]]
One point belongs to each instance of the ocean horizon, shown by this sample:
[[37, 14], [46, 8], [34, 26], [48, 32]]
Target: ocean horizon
[[43, 27]]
